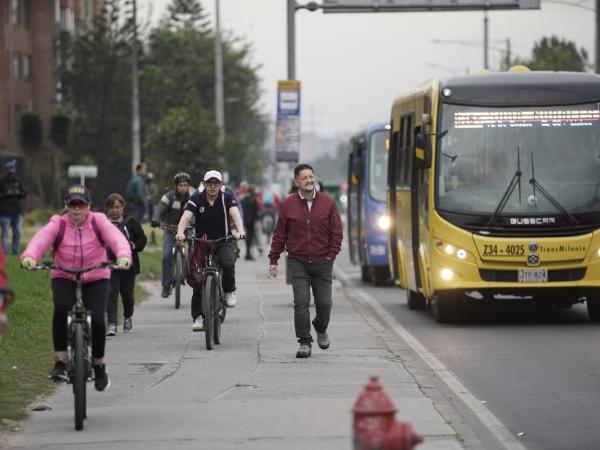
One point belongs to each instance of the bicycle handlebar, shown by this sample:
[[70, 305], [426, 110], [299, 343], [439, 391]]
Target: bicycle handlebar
[[50, 266], [227, 238]]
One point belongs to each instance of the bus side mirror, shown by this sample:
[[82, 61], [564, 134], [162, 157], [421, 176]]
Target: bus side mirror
[[422, 151]]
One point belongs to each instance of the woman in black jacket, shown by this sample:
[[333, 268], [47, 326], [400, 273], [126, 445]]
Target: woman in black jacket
[[123, 281]]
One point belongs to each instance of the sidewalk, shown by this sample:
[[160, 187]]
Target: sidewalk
[[249, 393]]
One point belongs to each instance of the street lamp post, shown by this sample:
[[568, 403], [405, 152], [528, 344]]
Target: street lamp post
[[135, 102], [291, 39], [219, 96]]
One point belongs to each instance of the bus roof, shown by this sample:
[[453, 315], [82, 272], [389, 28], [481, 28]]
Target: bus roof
[[519, 89], [370, 129]]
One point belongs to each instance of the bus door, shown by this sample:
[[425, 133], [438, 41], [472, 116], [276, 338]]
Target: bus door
[[406, 179], [393, 204], [355, 187]]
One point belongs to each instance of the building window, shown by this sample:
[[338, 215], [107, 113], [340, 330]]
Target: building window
[[27, 13], [26, 67], [15, 12], [16, 65], [17, 116], [67, 20]]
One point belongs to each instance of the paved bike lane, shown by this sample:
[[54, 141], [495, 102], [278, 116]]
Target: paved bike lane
[[250, 392]]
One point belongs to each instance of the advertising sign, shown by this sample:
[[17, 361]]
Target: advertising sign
[[287, 128]]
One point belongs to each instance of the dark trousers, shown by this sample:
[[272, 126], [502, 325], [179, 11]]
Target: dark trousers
[[305, 276], [227, 255], [250, 231], [121, 282], [95, 296]]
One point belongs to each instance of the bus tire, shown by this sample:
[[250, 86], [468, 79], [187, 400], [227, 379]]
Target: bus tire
[[415, 300], [444, 307], [593, 307], [365, 274], [379, 275]]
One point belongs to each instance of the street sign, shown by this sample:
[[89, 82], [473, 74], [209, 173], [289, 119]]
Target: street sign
[[354, 6], [287, 128], [82, 172]]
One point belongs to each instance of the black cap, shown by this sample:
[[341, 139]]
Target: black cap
[[78, 192]]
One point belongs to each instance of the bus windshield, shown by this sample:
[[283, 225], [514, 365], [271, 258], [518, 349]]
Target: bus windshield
[[378, 157], [482, 149]]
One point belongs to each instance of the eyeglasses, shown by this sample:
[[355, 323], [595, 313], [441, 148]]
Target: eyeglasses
[[77, 204], [212, 183]]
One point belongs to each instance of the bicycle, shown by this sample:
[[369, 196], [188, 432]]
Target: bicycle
[[177, 264], [79, 340], [213, 296]]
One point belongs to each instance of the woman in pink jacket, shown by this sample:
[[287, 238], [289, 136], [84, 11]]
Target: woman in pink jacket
[[79, 239]]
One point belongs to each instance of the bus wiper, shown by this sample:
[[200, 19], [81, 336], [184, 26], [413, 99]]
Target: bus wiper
[[449, 156], [516, 180], [535, 183]]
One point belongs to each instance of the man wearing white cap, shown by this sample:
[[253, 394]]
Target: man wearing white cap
[[213, 211]]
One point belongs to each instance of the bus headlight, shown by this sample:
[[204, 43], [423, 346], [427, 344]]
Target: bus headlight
[[446, 274], [451, 250], [383, 222]]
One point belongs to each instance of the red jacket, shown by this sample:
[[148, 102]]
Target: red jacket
[[308, 236]]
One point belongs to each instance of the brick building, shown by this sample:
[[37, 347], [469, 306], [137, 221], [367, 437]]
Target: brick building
[[28, 29]]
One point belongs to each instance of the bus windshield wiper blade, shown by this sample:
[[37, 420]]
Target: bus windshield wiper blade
[[516, 180], [536, 184]]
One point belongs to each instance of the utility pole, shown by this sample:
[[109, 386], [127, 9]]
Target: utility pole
[[486, 64], [136, 153], [291, 39], [597, 36], [219, 96]]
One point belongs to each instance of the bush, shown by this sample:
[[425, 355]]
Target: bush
[[38, 217]]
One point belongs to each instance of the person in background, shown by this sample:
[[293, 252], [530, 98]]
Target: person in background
[[123, 281], [6, 295], [250, 207], [310, 229], [12, 194], [136, 193], [79, 238], [168, 211]]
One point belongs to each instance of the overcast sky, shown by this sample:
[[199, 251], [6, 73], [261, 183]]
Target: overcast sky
[[353, 65]]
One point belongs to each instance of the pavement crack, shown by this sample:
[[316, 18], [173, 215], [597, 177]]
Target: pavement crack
[[175, 369]]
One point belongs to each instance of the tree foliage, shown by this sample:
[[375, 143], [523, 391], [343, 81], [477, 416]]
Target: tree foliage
[[553, 53]]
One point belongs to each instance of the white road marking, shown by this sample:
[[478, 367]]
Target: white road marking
[[497, 428]]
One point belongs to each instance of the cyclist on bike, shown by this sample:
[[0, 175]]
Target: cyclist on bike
[[79, 238], [169, 211], [212, 210]]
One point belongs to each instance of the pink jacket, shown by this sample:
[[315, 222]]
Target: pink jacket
[[80, 246]]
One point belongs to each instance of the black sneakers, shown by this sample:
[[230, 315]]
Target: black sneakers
[[304, 351], [165, 292], [101, 380], [59, 372]]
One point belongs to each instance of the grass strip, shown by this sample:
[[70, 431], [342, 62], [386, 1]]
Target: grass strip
[[26, 353]]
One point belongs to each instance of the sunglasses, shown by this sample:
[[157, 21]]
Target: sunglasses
[[77, 204], [212, 183]]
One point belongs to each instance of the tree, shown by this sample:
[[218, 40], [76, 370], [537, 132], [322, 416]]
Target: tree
[[186, 13], [32, 136], [59, 137], [185, 139], [554, 53]]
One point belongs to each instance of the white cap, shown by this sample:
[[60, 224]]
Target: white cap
[[213, 174]]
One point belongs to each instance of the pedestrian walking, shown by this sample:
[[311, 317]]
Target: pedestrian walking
[[250, 207], [310, 229], [123, 281], [12, 194], [136, 193]]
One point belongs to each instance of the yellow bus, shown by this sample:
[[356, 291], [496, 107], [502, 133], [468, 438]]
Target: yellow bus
[[494, 191]]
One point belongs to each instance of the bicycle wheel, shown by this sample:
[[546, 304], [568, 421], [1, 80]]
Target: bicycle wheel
[[178, 275], [78, 376], [207, 302], [218, 308]]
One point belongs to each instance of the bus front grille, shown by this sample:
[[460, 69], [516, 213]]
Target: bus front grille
[[512, 276]]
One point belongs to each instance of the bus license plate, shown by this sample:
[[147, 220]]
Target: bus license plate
[[533, 275]]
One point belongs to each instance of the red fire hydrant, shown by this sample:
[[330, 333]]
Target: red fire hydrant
[[374, 424]]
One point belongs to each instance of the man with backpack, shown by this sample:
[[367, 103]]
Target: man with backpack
[[169, 211], [135, 194], [12, 194]]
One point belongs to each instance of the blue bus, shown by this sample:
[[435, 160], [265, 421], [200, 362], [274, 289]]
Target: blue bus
[[367, 218]]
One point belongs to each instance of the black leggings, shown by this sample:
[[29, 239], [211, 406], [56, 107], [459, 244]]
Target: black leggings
[[95, 296], [124, 283]]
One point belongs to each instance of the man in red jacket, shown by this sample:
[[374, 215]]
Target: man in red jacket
[[310, 229]]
